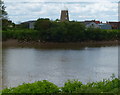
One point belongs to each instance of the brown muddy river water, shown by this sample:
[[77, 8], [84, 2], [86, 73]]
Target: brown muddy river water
[[24, 64]]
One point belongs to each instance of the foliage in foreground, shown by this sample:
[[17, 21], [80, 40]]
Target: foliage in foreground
[[36, 87], [71, 86]]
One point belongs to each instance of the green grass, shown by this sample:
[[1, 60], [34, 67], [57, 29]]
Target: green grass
[[71, 86]]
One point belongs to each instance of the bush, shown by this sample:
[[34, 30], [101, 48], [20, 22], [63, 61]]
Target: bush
[[36, 87], [20, 35], [105, 86], [71, 86]]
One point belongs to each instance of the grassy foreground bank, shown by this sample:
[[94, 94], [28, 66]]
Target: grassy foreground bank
[[71, 86]]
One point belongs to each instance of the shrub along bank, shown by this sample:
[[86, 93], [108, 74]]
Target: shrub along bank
[[61, 36], [71, 86]]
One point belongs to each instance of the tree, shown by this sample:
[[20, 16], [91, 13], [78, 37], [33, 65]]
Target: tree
[[6, 24], [42, 24], [3, 13]]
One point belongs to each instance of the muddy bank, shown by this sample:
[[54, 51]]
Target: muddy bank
[[15, 43]]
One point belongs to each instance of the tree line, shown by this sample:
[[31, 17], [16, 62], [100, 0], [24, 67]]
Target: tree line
[[53, 31]]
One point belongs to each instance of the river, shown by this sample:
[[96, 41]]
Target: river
[[87, 64]]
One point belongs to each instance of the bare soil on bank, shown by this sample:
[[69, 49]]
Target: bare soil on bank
[[16, 43]]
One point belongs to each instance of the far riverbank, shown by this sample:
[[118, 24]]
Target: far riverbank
[[57, 44]]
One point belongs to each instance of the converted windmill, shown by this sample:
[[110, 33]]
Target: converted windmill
[[64, 15]]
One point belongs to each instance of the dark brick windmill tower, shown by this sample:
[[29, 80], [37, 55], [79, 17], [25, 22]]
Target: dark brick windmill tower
[[64, 15]]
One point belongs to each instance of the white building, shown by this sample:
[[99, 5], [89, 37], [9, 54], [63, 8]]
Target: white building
[[91, 24]]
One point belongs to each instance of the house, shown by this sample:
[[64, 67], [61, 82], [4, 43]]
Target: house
[[31, 24], [28, 24], [105, 26], [115, 25], [97, 22], [91, 24]]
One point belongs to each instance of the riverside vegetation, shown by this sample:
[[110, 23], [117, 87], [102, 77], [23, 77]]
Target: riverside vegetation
[[71, 86], [53, 31]]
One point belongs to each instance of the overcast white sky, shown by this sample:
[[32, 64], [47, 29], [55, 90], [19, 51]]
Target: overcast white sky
[[24, 10]]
